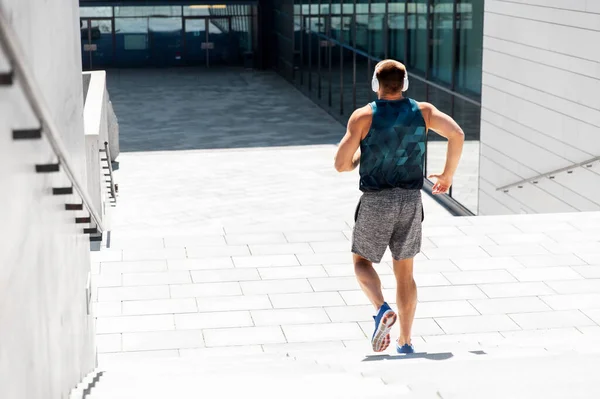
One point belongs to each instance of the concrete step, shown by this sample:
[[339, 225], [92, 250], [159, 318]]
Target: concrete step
[[465, 371], [270, 379], [265, 375]]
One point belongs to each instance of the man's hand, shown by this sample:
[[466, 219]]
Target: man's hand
[[442, 184]]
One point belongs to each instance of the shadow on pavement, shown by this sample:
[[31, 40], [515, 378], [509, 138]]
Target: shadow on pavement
[[420, 355]]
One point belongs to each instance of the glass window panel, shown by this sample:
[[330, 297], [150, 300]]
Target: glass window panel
[[131, 37], [364, 72], [347, 29], [466, 179], [348, 76], [165, 39], [362, 25], [396, 31], [148, 11], [322, 76], [417, 35], [336, 79], [242, 33], [470, 46], [336, 27], [348, 7], [376, 29], [442, 46], [205, 10], [95, 11]]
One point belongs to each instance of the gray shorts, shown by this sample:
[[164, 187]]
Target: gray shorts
[[385, 218]]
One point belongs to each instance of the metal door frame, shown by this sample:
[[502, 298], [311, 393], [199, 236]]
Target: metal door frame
[[88, 22], [206, 19]]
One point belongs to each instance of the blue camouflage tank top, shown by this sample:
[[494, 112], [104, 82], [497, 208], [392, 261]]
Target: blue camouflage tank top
[[393, 152]]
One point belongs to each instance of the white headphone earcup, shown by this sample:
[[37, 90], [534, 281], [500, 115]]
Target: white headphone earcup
[[375, 84]]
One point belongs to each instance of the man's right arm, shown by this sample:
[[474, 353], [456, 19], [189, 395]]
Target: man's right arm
[[446, 127]]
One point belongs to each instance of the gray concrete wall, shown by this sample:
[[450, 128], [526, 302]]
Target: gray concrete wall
[[46, 335], [540, 105]]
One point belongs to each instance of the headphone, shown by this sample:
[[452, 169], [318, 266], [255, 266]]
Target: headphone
[[375, 82]]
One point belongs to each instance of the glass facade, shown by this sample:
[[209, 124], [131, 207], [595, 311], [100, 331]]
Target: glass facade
[[328, 49], [165, 36]]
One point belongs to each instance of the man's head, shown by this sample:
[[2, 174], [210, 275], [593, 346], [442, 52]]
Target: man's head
[[390, 78]]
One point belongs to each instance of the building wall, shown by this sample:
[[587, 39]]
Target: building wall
[[540, 105], [46, 335]]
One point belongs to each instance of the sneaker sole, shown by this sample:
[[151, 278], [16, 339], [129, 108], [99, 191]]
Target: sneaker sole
[[381, 339]]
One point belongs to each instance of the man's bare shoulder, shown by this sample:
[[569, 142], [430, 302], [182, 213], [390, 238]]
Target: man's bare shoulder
[[426, 109], [362, 114]]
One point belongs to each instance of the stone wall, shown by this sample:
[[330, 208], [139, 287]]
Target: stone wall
[[540, 106], [46, 334]]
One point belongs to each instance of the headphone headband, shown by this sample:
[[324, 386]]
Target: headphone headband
[[375, 81]]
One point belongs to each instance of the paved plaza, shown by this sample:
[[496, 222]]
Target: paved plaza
[[237, 242]]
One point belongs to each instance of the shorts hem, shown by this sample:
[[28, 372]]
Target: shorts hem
[[370, 259], [402, 257]]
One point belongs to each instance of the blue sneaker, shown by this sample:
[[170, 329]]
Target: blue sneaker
[[384, 321], [405, 349]]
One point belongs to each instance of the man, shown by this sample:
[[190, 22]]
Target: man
[[387, 138]]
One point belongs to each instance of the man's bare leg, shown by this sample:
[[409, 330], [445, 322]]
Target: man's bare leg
[[406, 296], [369, 280]]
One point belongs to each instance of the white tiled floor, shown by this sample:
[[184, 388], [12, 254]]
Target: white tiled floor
[[275, 272]]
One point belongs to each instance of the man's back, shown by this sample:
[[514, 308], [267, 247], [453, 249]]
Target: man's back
[[393, 151]]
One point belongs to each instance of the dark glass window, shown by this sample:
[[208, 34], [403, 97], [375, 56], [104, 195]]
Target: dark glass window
[[417, 35], [469, 46], [95, 12], [442, 45], [396, 24], [377, 39]]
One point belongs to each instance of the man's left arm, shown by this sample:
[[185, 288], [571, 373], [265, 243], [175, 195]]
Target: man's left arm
[[347, 157]]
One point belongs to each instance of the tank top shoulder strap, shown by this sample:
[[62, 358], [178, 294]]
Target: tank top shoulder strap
[[373, 105], [414, 105]]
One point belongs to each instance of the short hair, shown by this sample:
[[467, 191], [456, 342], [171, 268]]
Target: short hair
[[390, 74]]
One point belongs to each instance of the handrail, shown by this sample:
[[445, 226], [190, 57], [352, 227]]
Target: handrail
[[548, 174], [8, 40], [113, 191]]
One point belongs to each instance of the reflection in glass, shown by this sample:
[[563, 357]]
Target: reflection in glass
[[95, 12], [363, 81], [376, 29], [220, 46], [348, 78], [441, 46], [362, 25], [470, 46], [195, 36], [417, 35], [97, 43], [148, 11], [396, 25], [131, 36], [165, 38]]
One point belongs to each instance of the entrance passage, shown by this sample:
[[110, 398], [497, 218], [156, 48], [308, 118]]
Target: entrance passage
[[166, 36]]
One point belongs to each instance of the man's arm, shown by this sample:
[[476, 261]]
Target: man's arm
[[347, 157], [446, 127]]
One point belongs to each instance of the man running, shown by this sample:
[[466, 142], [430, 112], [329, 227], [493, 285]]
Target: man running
[[387, 137]]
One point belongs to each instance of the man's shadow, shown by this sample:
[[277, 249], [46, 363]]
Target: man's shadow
[[418, 355]]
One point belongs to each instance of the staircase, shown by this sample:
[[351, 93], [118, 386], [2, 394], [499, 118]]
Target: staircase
[[544, 369], [230, 376]]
